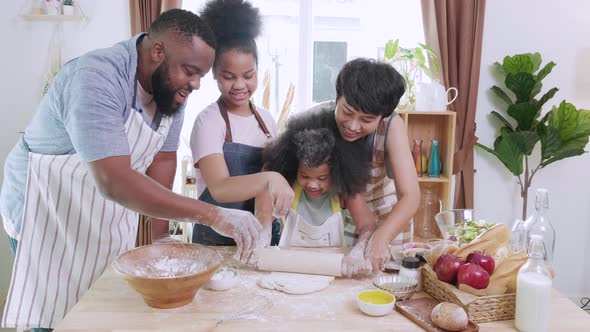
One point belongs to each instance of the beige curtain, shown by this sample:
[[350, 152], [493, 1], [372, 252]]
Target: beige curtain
[[143, 13], [455, 28]]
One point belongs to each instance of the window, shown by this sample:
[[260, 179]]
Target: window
[[328, 58], [305, 42]]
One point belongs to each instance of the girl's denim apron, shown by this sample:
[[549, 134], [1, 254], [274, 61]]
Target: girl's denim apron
[[241, 159]]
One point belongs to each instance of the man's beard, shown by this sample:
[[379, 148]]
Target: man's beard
[[163, 91]]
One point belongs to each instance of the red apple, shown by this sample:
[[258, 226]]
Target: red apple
[[446, 267], [483, 260], [473, 275]]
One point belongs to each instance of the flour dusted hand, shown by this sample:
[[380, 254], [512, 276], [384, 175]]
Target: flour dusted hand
[[263, 242], [265, 237], [377, 252], [240, 225], [355, 263], [281, 193]]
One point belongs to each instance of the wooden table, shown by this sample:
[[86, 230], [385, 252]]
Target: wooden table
[[111, 305]]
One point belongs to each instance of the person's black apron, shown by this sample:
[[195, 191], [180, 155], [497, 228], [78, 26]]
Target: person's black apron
[[240, 159]]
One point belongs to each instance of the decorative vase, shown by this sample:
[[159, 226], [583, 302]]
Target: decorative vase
[[38, 7], [434, 160], [53, 7], [424, 162], [409, 70], [417, 155]]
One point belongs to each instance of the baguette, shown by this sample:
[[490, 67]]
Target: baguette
[[502, 253], [488, 241], [443, 247], [505, 273], [473, 291]]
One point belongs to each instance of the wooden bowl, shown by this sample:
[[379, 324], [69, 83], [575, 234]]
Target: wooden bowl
[[168, 275]]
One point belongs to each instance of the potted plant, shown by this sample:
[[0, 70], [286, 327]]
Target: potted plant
[[68, 7], [563, 132], [53, 7], [408, 61]]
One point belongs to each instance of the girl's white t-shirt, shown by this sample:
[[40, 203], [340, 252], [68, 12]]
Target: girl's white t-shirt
[[208, 134]]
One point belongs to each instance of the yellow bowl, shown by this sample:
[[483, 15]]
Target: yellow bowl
[[375, 302], [168, 275]]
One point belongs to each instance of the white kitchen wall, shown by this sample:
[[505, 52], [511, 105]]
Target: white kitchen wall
[[23, 63], [559, 31]]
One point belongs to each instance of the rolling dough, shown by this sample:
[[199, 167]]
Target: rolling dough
[[294, 283], [300, 261]]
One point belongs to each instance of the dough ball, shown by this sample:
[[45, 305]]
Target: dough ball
[[449, 316]]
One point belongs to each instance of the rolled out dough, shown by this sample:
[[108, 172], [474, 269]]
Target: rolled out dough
[[294, 283], [300, 261]]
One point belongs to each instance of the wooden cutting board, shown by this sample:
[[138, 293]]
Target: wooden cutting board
[[419, 310]]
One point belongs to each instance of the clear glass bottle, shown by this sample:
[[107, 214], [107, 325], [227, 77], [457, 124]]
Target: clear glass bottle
[[533, 290], [541, 225], [189, 187], [425, 226], [518, 238]]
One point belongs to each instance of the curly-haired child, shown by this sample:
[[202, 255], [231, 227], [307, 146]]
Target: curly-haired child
[[324, 170], [367, 93]]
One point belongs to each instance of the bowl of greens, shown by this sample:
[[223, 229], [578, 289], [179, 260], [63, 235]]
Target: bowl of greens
[[460, 225]]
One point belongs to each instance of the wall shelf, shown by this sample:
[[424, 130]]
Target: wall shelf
[[38, 15], [53, 18], [427, 113], [29, 12], [427, 179]]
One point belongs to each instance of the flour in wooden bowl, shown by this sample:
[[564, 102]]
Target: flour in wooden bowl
[[166, 267]]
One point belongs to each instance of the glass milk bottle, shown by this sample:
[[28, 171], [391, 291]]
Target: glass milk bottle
[[541, 225], [533, 290]]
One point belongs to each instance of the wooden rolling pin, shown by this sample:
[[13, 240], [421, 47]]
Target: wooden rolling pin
[[300, 261]]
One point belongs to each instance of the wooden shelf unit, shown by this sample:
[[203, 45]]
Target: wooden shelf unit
[[435, 125]]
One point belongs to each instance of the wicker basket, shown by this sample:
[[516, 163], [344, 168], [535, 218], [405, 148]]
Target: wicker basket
[[480, 309]]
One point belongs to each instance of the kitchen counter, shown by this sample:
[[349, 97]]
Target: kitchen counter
[[111, 305]]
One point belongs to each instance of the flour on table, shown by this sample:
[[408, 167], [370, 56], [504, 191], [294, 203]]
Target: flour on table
[[294, 283]]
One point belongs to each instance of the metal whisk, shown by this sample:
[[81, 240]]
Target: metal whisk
[[254, 306]]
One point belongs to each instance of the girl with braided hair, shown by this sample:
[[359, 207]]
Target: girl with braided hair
[[229, 134]]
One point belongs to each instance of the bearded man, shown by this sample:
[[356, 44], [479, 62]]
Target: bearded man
[[100, 149]]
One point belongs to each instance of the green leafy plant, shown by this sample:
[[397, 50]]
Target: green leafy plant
[[68, 2], [409, 60], [563, 132]]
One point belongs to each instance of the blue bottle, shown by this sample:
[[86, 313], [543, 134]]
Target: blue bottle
[[434, 161]]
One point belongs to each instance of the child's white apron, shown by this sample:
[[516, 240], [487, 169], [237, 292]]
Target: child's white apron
[[299, 233]]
